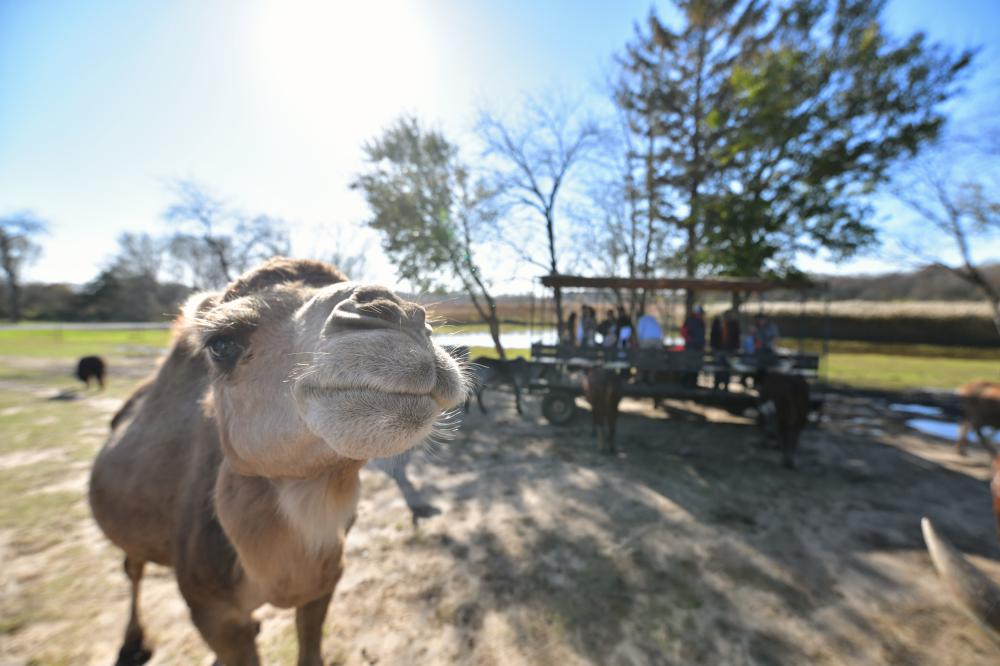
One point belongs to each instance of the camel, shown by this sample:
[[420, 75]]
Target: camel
[[237, 463], [981, 404]]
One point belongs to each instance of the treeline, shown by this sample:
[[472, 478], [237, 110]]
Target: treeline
[[205, 244], [108, 298], [926, 284]]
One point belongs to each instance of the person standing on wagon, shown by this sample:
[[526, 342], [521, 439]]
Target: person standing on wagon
[[649, 331]]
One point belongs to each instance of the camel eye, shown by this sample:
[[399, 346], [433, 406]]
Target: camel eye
[[224, 350]]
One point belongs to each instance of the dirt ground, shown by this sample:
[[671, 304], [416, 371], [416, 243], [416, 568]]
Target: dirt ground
[[692, 546]]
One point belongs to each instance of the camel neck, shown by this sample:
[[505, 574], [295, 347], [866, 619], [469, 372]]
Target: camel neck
[[277, 525]]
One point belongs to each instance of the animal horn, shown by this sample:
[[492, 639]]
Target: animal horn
[[976, 593]]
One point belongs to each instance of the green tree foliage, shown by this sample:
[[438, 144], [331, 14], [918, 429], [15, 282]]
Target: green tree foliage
[[429, 212], [773, 124]]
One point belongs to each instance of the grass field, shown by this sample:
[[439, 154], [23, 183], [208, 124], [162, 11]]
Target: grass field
[[69, 343], [852, 363]]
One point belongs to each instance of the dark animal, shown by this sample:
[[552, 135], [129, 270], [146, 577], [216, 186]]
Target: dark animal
[[603, 388], [981, 404], [784, 402], [484, 372], [91, 367]]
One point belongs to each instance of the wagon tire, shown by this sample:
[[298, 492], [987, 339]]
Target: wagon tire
[[559, 408]]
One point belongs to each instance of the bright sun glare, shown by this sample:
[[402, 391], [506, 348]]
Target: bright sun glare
[[333, 69]]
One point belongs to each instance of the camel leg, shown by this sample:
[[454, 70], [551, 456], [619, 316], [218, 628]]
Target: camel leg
[[963, 433], [418, 506], [309, 628], [229, 633], [134, 650]]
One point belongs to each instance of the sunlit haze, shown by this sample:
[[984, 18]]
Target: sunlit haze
[[267, 103]]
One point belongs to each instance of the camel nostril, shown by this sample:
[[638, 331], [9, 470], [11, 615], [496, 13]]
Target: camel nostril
[[377, 307], [417, 317], [370, 294]]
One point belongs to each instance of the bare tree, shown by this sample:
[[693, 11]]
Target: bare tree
[[625, 236], [17, 249], [535, 157], [212, 243], [964, 210], [350, 258], [139, 254]]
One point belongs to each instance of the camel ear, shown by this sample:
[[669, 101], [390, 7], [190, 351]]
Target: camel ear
[[198, 304], [194, 309]]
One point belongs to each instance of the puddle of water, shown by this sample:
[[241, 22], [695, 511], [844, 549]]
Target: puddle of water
[[943, 429], [918, 410], [512, 340]]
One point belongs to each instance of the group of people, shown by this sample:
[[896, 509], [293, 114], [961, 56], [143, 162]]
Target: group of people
[[615, 330], [725, 333], [618, 330]]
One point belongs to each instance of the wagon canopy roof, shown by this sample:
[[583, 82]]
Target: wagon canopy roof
[[698, 284]]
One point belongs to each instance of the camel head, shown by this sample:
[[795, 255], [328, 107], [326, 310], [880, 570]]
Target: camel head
[[309, 369]]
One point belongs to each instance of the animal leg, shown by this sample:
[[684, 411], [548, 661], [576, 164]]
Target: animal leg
[[134, 651], [479, 400], [985, 442], [963, 433], [418, 506], [788, 446], [309, 628], [229, 632], [517, 398]]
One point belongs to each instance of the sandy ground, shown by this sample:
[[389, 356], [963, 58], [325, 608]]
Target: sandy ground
[[692, 546]]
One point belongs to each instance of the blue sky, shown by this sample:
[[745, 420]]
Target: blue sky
[[268, 102]]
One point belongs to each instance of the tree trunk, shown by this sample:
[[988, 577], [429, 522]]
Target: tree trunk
[[554, 268], [494, 325], [560, 324], [737, 301], [995, 305], [14, 293]]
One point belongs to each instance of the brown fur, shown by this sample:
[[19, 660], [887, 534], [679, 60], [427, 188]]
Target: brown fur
[[981, 404], [242, 473], [603, 390], [784, 400], [280, 270]]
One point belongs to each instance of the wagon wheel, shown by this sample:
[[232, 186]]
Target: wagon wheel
[[559, 408]]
